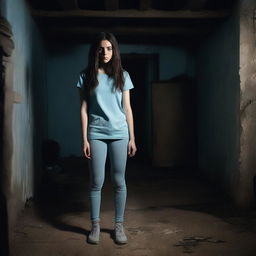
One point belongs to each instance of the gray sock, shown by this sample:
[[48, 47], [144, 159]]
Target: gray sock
[[94, 236], [119, 233]]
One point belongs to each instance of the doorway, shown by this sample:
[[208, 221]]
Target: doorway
[[143, 70]]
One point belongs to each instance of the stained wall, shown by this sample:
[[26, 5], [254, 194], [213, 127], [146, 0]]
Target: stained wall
[[25, 85]]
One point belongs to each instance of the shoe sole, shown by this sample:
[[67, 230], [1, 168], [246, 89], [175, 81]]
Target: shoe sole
[[121, 242], [92, 242]]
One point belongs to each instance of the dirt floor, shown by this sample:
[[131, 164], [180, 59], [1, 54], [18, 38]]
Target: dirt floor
[[168, 212]]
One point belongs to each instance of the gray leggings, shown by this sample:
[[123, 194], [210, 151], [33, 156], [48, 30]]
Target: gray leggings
[[117, 151]]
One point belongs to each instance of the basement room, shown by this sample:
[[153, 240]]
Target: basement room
[[127, 127]]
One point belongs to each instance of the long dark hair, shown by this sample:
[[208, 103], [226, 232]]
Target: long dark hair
[[113, 68]]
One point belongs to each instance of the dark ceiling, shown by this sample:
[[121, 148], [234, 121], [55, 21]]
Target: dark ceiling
[[132, 4], [137, 21]]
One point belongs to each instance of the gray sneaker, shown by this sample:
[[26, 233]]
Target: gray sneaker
[[119, 233], [94, 236]]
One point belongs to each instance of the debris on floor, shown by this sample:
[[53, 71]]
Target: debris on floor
[[171, 231], [161, 211], [189, 242]]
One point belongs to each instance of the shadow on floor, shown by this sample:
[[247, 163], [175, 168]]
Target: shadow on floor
[[65, 191]]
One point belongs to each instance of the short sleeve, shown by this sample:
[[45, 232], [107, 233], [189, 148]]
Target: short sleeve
[[127, 82], [80, 82]]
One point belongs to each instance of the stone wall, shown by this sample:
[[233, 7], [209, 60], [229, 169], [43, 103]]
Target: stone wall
[[244, 191]]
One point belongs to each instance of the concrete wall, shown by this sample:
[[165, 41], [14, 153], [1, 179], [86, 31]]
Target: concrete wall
[[26, 73], [64, 65], [245, 193], [218, 104]]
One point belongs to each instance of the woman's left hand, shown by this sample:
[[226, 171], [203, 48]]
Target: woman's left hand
[[131, 148]]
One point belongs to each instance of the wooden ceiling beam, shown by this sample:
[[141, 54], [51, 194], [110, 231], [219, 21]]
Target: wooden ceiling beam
[[156, 14], [69, 4], [111, 5], [132, 31]]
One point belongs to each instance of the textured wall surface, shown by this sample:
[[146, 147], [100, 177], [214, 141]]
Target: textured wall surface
[[218, 104], [245, 189], [65, 63], [26, 81]]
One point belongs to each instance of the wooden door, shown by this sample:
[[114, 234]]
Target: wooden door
[[174, 123]]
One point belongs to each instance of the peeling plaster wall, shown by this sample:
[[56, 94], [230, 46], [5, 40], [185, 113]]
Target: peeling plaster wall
[[245, 193], [218, 104], [65, 63], [27, 81]]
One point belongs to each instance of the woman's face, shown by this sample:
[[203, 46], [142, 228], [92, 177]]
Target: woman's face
[[105, 51]]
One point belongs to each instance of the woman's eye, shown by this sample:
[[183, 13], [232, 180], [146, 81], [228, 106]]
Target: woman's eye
[[106, 49]]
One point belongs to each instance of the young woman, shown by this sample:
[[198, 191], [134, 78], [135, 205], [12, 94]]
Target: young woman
[[107, 127]]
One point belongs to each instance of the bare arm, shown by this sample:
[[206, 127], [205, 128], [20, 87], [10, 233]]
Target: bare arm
[[129, 117], [84, 123]]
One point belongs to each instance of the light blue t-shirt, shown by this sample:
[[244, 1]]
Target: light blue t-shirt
[[106, 115]]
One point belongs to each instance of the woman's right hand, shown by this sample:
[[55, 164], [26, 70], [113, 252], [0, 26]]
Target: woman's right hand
[[87, 150]]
